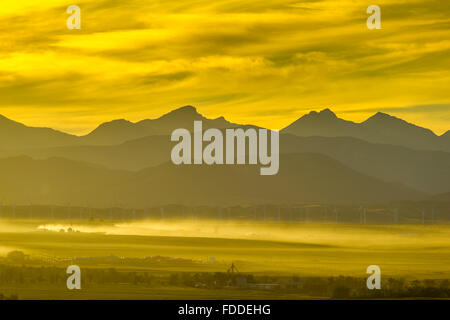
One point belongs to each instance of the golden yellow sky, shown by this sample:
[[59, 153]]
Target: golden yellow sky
[[252, 61]]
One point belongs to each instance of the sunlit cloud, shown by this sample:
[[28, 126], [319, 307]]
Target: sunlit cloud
[[261, 62]]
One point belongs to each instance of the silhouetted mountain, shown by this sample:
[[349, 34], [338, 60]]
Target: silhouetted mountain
[[384, 128], [130, 155], [380, 128], [302, 177], [324, 124], [119, 131], [422, 170], [428, 171], [184, 118], [445, 139], [14, 135]]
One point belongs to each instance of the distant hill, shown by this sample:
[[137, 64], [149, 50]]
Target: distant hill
[[14, 135], [303, 177], [56, 181], [428, 171], [130, 155], [445, 140], [380, 128], [322, 124]]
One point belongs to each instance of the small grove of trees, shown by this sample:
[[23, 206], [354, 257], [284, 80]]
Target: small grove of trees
[[25, 275], [326, 287], [331, 287], [11, 297], [394, 289]]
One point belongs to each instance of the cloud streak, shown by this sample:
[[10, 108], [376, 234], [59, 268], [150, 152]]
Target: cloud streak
[[252, 61]]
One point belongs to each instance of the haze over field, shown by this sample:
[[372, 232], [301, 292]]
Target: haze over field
[[308, 249]]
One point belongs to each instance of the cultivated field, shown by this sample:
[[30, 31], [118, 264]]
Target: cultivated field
[[410, 252]]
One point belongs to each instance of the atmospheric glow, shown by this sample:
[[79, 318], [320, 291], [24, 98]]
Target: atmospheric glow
[[260, 62]]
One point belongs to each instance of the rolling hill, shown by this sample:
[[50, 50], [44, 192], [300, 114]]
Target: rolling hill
[[15, 135], [303, 177], [428, 171]]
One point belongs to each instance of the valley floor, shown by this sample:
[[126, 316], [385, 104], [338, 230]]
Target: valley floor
[[192, 260]]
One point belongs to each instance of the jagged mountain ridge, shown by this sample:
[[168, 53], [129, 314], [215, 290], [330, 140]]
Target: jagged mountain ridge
[[379, 128], [119, 131], [385, 165]]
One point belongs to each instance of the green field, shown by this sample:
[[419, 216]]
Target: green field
[[412, 252]]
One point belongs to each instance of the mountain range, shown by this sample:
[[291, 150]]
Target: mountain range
[[305, 177], [323, 158], [17, 136], [427, 171], [380, 128]]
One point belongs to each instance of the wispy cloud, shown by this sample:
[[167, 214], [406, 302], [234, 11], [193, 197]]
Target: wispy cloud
[[264, 62]]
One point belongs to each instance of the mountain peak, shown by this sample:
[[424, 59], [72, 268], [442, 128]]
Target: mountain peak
[[185, 110], [381, 116], [117, 122], [185, 113], [393, 128], [325, 114], [114, 127]]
